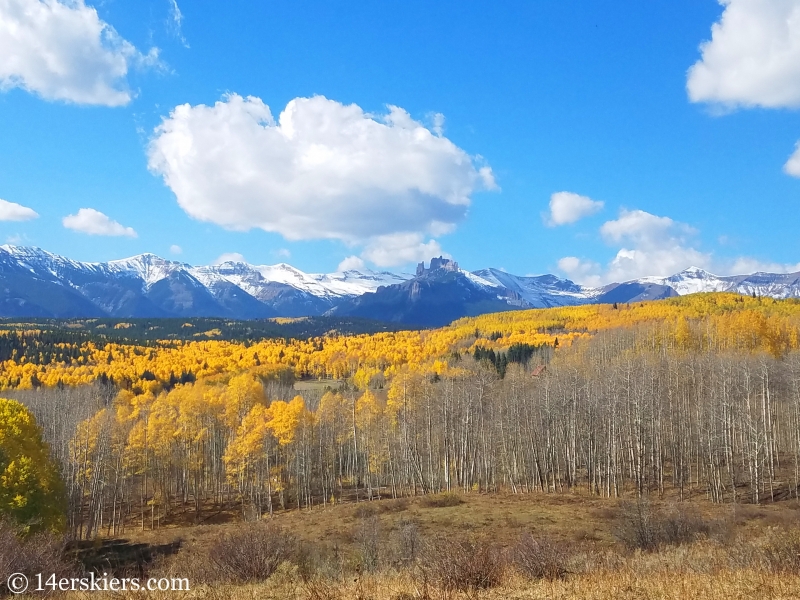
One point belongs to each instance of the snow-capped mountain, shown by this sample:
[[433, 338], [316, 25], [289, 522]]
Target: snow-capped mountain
[[148, 267], [37, 283], [541, 291], [255, 279], [694, 280]]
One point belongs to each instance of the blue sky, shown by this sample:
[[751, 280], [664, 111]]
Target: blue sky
[[548, 136]]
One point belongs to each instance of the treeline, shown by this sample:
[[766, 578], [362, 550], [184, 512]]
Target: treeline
[[630, 412], [147, 331], [732, 323], [520, 354], [42, 347]]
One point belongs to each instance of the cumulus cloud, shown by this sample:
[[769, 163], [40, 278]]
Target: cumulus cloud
[[351, 263], [753, 57], [175, 249], [229, 257], [744, 265], [644, 229], [566, 208], [62, 50], [11, 211], [323, 170], [651, 245], [586, 272], [400, 249], [93, 222], [792, 166]]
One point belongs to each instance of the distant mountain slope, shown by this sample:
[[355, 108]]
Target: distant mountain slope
[[434, 297], [37, 283], [695, 280], [541, 291]]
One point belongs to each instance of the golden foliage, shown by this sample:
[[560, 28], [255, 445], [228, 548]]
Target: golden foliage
[[719, 321]]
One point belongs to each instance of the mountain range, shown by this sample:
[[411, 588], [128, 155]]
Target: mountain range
[[37, 283]]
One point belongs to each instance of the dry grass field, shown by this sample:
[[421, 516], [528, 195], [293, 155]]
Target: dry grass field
[[355, 551]]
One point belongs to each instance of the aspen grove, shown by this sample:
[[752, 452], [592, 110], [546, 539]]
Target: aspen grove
[[692, 396]]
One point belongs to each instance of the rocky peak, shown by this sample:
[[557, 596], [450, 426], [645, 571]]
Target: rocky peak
[[441, 263]]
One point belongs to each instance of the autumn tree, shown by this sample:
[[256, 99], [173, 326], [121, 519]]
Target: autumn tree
[[31, 490]]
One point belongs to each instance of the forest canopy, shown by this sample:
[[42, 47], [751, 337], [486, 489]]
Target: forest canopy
[[60, 357]]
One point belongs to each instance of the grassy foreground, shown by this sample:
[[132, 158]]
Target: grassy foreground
[[577, 547]]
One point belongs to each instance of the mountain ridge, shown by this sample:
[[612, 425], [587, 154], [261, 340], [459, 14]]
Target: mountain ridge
[[38, 283]]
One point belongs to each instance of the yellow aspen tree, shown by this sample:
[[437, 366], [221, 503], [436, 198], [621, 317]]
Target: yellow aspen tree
[[31, 491]]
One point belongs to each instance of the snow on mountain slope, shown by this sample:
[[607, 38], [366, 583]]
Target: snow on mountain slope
[[254, 278], [691, 281], [540, 291], [768, 284], [46, 264], [148, 267], [694, 280], [480, 280], [150, 285], [355, 283]]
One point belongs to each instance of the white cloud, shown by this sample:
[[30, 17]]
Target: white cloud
[[437, 124], [745, 265], [566, 207], [324, 170], [586, 272], [11, 211], [644, 229], [400, 249], [229, 257], [175, 22], [175, 249], [17, 239], [753, 57], [351, 263], [93, 222], [62, 50], [651, 246], [283, 253], [792, 166], [656, 246]]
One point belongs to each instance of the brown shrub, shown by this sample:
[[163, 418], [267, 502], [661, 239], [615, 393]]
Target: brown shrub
[[367, 537], [369, 509], [539, 558], [322, 589], [441, 500], [247, 554], [39, 553], [407, 542], [463, 564], [778, 552], [365, 510], [396, 505], [682, 525], [639, 526]]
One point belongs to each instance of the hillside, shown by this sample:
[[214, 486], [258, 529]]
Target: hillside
[[730, 321], [39, 284], [684, 399]]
